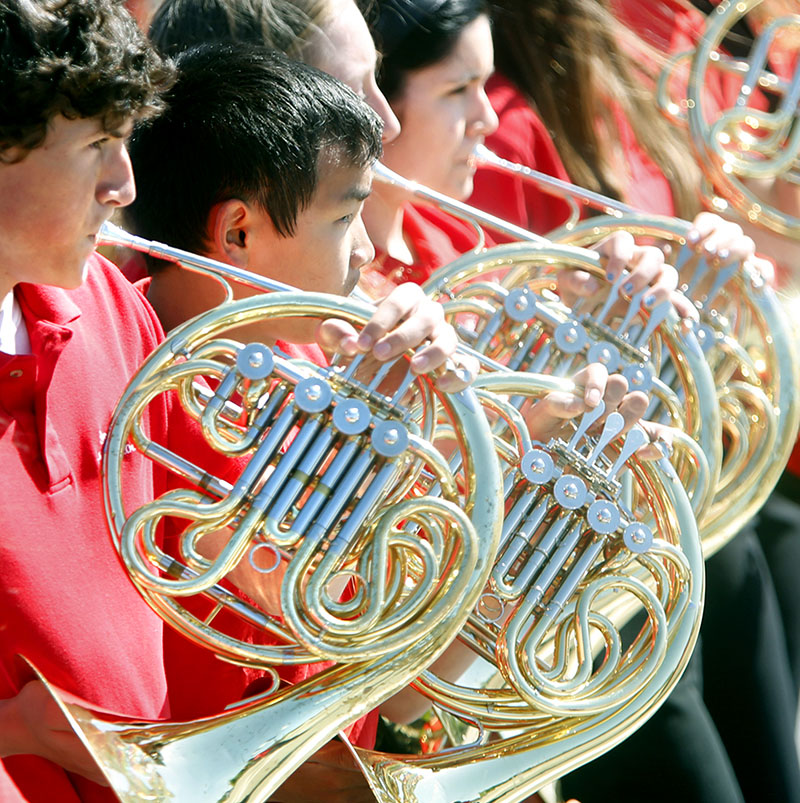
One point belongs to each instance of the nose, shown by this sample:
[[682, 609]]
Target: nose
[[362, 251], [115, 186], [391, 125], [483, 121]]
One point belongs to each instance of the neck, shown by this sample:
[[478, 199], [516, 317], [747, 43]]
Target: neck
[[383, 218], [177, 294], [7, 284]]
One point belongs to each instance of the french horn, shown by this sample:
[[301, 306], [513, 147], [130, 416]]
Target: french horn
[[497, 293], [749, 143], [337, 485], [751, 347], [534, 711], [745, 334], [556, 679]]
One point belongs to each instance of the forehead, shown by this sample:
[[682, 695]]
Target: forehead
[[340, 180], [472, 55], [343, 46]]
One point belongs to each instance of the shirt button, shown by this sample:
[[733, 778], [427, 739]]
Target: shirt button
[[16, 373]]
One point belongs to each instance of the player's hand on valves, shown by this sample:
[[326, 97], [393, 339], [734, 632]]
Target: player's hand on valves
[[644, 267], [593, 384], [723, 242], [33, 724], [405, 319]]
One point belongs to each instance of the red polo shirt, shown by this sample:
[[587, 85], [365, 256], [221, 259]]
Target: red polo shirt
[[65, 601], [436, 238], [521, 138]]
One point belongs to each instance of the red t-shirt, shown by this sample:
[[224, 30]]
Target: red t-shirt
[[436, 237], [522, 138], [65, 601]]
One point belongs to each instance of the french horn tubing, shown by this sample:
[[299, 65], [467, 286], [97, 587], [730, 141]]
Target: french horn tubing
[[502, 304], [335, 481], [747, 338], [558, 680], [495, 299], [745, 144], [751, 346]]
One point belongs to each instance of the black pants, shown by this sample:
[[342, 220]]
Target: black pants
[[778, 529], [726, 733]]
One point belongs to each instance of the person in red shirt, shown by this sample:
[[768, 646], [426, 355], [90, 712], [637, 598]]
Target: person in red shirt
[[436, 59], [578, 72], [74, 77]]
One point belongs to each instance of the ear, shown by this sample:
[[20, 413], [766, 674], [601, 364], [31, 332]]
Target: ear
[[229, 228]]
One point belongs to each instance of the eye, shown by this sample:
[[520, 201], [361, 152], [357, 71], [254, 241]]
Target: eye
[[99, 142], [459, 90], [347, 218]]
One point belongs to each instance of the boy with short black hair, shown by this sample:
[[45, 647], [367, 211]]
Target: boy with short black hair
[[264, 163]]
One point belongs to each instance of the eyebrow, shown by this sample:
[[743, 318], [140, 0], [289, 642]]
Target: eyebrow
[[122, 131], [357, 193]]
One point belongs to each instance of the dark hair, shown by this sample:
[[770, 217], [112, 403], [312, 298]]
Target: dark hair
[[242, 122], [284, 25], [413, 34], [77, 58]]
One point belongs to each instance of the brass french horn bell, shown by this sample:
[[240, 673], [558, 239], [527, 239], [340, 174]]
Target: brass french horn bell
[[383, 549]]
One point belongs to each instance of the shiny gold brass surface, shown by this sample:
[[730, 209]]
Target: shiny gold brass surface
[[417, 533], [556, 680], [350, 535], [504, 305], [752, 348], [745, 149]]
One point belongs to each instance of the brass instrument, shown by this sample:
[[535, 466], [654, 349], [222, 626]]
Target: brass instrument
[[745, 334], [751, 346], [506, 321], [503, 305], [338, 486], [557, 681], [570, 193], [344, 483], [745, 146], [456, 208]]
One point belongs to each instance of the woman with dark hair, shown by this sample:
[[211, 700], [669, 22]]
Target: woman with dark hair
[[436, 58]]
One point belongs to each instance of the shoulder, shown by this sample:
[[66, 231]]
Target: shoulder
[[107, 296]]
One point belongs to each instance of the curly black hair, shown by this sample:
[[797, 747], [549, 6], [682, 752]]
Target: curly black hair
[[77, 58]]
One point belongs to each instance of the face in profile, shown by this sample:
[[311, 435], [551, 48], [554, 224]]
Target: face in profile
[[55, 198], [343, 48], [444, 113], [327, 250]]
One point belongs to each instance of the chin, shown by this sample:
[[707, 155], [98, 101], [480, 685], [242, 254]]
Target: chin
[[461, 190]]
